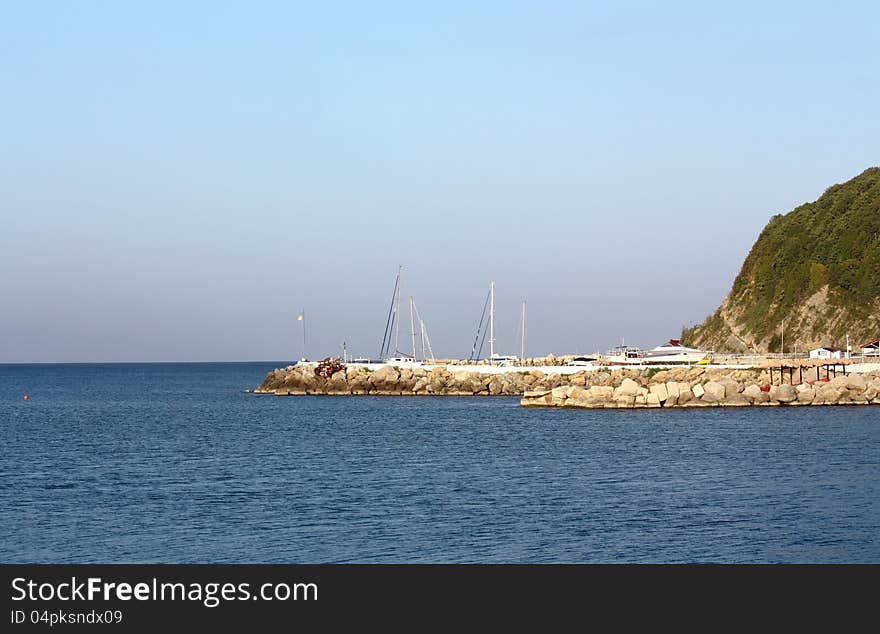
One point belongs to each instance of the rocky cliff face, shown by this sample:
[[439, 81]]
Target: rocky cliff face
[[817, 269]]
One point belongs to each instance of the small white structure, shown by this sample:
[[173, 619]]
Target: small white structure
[[871, 348], [826, 353]]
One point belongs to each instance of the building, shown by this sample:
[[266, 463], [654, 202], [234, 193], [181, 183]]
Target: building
[[871, 348], [826, 353]]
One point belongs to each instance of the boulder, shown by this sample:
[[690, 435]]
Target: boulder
[[579, 397], [558, 395], [694, 402], [471, 382], [357, 378], [736, 400], [659, 391], [684, 394], [826, 394], [714, 392], [785, 393], [628, 387], [805, 394], [624, 400], [857, 396], [653, 400], [577, 379], [338, 383], [839, 381], [752, 392], [537, 398], [575, 392], [672, 389], [731, 386], [697, 391], [856, 382], [601, 393], [385, 378]]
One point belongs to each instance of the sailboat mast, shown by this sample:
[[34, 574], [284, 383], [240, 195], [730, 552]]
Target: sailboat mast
[[422, 335], [397, 315], [491, 320], [522, 341], [392, 317], [412, 327]]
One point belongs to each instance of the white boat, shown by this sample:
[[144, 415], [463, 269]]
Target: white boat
[[504, 359], [392, 325], [584, 361], [494, 358], [673, 352], [623, 355]]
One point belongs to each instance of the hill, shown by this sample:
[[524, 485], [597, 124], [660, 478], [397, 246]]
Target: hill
[[816, 268]]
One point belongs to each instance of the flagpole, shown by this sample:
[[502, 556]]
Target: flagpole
[[303, 316]]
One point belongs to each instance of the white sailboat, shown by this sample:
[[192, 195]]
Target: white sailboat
[[392, 324], [494, 357]]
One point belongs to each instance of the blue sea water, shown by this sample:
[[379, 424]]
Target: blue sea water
[[174, 463]]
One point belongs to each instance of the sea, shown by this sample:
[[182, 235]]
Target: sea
[[176, 463]]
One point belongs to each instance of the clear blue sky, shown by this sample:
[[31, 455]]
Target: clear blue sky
[[178, 179]]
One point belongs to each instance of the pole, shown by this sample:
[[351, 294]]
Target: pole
[[783, 337], [491, 320], [412, 327], [397, 315], [522, 341], [303, 320]]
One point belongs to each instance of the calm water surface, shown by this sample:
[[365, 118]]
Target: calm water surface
[[173, 463]]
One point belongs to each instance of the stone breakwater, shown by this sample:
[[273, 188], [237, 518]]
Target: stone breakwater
[[712, 388], [389, 380], [596, 389]]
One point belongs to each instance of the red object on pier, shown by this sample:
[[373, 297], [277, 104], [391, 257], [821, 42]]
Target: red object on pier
[[765, 388]]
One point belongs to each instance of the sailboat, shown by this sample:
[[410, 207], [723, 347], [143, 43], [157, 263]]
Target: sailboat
[[494, 357], [392, 325]]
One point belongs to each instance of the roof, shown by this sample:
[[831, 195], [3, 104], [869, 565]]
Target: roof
[[870, 344], [828, 348]]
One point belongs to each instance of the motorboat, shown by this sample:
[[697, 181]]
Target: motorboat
[[623, 355], [583, 361], [673, 352]]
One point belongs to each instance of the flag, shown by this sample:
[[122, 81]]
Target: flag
[[299, 317]]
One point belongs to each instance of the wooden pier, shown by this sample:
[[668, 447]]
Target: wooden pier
[[786, 369]]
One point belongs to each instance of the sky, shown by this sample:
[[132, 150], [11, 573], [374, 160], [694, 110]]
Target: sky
[[179, 180]]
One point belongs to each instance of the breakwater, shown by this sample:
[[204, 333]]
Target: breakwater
[[389, 380], [712, 388], [694, 386]]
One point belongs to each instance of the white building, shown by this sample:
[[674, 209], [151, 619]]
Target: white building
[[826, 353], [871, 348]]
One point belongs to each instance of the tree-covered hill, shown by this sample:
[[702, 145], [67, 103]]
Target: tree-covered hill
[[817, 268]]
